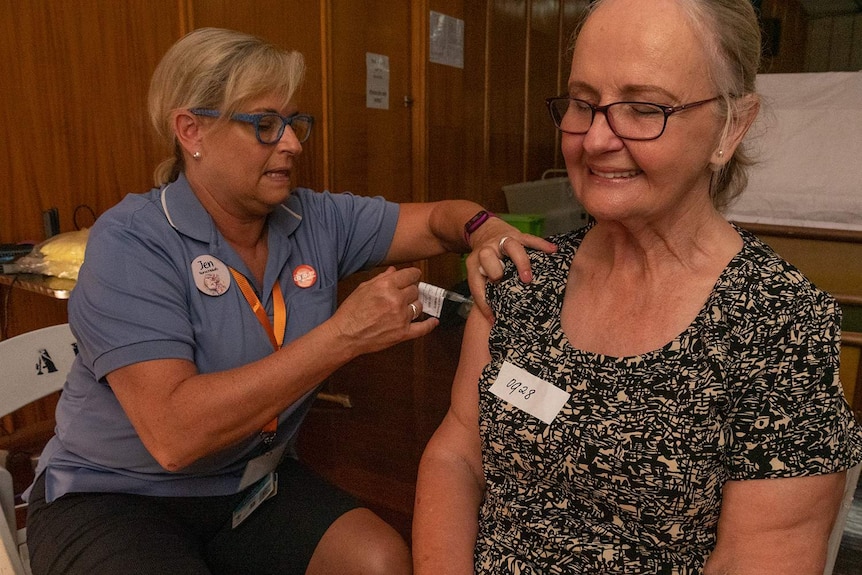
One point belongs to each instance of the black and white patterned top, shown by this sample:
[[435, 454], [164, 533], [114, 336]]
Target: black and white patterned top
[[627, 477]]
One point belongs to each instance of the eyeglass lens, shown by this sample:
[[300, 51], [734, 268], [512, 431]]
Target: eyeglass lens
[[270, 127], [637, 121]]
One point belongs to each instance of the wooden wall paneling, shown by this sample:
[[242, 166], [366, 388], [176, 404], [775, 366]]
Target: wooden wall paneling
[[507, 77], [850, 369], [419, 48], [455, 104], [369, 149], [571, 13], [73, 108], [292, 25], [812, 44], [856, 47], [456, 122], [73, 116], [841, 43], [817, 49], [369, 449], [792, 36], [543, 72], [470, 113]]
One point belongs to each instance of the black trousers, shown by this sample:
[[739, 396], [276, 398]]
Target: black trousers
[[111, 534]]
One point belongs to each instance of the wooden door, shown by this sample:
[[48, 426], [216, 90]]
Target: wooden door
[[370, 147]]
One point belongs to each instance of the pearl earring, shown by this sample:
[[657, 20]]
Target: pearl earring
[[197, 155]]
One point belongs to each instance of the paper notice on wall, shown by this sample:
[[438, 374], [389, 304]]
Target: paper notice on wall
[[447, 40], [376, 81]]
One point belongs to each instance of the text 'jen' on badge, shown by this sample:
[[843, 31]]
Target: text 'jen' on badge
[[211, 275], [529, 393]]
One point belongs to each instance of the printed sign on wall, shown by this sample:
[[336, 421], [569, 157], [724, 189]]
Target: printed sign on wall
[[447, 40], [376, 81]]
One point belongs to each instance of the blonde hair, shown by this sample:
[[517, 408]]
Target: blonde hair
[[731, 35], [220, 69]]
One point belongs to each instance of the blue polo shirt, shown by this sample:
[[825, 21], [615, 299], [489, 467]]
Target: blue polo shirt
[[136, 299]]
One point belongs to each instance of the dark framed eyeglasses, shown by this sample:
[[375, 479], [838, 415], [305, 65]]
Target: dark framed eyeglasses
[[628, 120], [268, 126]]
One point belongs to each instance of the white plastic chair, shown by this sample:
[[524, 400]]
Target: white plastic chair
[[841, 520], [35, 364]]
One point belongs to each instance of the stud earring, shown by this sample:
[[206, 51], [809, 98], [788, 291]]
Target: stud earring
[[720, 153], [197, 155]]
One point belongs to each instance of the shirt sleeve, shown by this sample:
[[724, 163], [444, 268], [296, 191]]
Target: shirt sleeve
[[789, 416], [131, 303], [360, 229]]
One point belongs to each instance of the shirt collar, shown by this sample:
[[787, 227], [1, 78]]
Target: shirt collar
[[187, 215]]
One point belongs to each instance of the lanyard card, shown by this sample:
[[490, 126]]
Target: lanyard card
[[265, 488]]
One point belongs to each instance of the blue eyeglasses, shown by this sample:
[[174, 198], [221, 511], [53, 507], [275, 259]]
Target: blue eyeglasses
[[268, 126]]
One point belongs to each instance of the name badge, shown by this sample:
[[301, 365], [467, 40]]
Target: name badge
[[261, 465], [529, 393], [266, 488], [211, 276]]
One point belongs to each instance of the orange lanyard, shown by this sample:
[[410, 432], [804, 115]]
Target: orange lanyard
[[276, 333]]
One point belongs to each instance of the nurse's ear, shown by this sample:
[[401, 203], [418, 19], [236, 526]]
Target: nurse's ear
[[188, 130]]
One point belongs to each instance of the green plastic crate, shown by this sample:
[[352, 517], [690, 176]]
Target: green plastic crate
[[527, 223]]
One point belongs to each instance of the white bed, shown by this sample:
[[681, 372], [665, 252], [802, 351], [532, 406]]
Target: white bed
[[808, 143]]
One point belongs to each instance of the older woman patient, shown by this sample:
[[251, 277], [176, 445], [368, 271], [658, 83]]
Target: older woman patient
[[663, 397]]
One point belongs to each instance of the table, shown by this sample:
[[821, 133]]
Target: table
[[57, 288]]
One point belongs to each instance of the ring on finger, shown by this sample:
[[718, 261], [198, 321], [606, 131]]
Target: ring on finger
[[414, 310], [500, 245]]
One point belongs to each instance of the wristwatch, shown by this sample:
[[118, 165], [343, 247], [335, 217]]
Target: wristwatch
[[476, 222]]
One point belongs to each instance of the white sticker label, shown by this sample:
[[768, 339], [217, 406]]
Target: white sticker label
[[529, 393], [432, 298]]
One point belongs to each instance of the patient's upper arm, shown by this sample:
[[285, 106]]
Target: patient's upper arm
[[776, 526]]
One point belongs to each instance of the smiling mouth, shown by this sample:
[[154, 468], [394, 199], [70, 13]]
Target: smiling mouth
[[616, 175], [278, 173]]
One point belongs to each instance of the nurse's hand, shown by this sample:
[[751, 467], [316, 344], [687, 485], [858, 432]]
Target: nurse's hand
[[382, 312]]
